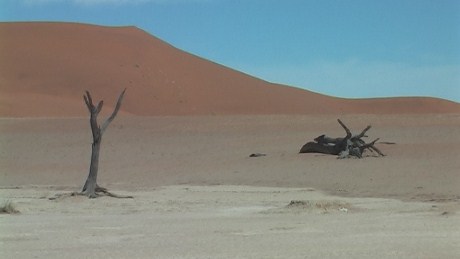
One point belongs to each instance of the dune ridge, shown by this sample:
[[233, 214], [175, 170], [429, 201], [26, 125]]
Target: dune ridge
[[45, 68]]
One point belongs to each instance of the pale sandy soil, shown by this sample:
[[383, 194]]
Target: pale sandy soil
[[225, 222], [197, 194]]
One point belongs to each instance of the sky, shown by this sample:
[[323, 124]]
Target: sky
[[345, 48]]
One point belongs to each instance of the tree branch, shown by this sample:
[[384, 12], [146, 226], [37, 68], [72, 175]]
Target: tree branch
[[114, 113], [345, 128], [89, 102], [362, 134], [99, 107]]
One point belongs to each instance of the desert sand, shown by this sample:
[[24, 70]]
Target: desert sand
[[198, 194], [46, 67], [181, 146]]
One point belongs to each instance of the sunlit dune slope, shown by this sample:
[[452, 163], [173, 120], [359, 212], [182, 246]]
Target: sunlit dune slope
[[46, 67]]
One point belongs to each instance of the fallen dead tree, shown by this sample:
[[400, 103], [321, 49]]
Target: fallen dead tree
[[346, 147]]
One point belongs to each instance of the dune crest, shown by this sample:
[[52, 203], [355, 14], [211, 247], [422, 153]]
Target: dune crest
[[46, 67]]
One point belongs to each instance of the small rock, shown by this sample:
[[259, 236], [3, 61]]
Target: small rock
[[257, 155]]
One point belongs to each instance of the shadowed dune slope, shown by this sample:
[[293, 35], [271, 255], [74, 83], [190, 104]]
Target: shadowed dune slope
[[46, 67]]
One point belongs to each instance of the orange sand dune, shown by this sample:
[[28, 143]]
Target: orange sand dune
[[46, 67]]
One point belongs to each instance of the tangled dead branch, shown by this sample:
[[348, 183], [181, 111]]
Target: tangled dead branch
[[346, 147]]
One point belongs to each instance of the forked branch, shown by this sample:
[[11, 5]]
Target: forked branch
[[114, 113]]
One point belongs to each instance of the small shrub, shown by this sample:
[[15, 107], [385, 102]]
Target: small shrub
[[8, 208]]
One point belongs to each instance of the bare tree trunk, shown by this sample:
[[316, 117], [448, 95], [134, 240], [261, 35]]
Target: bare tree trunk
[[91, 188]]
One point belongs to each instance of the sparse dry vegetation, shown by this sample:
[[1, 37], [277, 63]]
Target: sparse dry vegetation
[[322, 205], [8, 208]]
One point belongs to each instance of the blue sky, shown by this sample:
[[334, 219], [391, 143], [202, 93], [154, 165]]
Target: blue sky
[[346, 48]]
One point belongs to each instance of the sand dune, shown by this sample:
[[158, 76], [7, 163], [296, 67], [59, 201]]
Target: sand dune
[[46, 67]]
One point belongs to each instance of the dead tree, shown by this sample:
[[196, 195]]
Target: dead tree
[[348, 146], [91, 188]]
